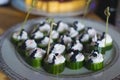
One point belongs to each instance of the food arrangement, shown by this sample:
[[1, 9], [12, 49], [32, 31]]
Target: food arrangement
[[58, 6], [73, 46]]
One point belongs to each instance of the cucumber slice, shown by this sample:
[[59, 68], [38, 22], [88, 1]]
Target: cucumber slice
[[94, 66], [74, 65], [34, 62], [52, 68]]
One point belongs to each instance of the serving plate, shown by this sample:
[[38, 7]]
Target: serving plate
[[20, 5], [16, 68]]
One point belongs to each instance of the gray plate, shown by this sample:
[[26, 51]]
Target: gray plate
[[15, 67], [19, 4]]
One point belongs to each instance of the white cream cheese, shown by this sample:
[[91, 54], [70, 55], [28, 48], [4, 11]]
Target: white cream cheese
[[77, 46], [59, 59], [73, 32], [17, 35], [55, 34], [85, 38], [30, 44], [92, 32], [97, 59], [45, 28], [39, 52], [62, 27], [45, 41], [79, 26], [58, 48], [38, 35]]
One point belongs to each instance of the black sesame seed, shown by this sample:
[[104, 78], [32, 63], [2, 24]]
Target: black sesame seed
[[21, 32], [53, 60], [41, 24], [56, 54], [90, 61], [103, 35], [33, 53], [89, 28], [75, 26], [72, 58], [94, 54]]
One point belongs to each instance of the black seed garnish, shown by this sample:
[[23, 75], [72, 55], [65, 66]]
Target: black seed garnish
[[35, 30], [70, 50], [23, 46], [56, 54], [90, 61], [75, 26], [72, 43], [61, 40], [103, 35], [32, 36], [33, 53], [94, 54], [58, 23], [72, 58], [96, 50], [89, 28], [39, 41], [53, 60], [51, 49], [96, 44], [21, 32], [41, 24], [76, 22], [81, 37]]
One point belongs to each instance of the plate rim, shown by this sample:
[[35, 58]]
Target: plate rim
[[15, 26]]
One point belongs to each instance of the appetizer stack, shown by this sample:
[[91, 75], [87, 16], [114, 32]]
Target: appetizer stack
[[73, 46]]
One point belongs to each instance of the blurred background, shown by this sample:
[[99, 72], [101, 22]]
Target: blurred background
[[14, 11], [63, 8]]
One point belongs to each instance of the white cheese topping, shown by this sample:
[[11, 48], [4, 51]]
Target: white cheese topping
[[46, 40], [59, 59], [45, 28], [62, 27], [30, 44], [38, 35], [17, 36], [80, 26], [108, 39], [58, 48], [85, 37], [92, 32], [94, 39], [67, 39], [97, 59], [101, 43], [77, 46], [39, 52], [55, 34], [73, 32], [78, 57]]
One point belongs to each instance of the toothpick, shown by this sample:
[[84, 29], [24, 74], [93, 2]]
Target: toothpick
[[28, 13], [52, 23], [107, 13], [86, 8]]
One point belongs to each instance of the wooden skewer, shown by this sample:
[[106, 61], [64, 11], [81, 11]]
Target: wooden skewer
[[52, 23], [86, 8], [28, 13], [107, 13]]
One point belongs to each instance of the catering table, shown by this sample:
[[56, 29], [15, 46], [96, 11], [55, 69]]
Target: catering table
[[10, 16]]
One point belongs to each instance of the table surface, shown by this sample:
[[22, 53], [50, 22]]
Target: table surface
[[10, 16]]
